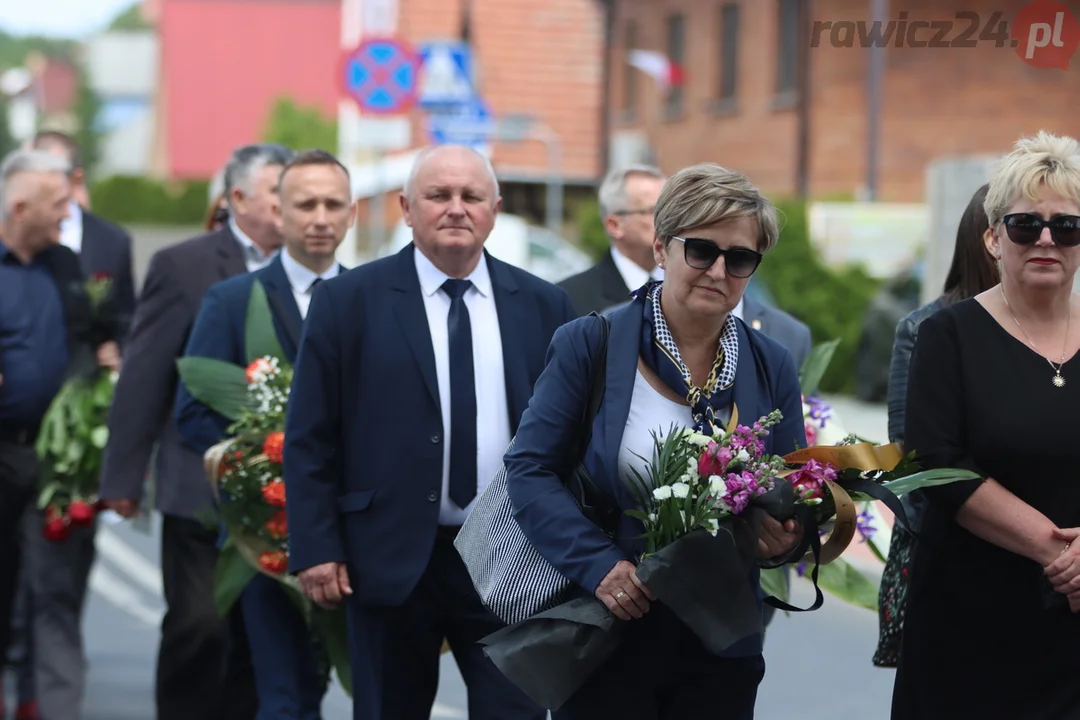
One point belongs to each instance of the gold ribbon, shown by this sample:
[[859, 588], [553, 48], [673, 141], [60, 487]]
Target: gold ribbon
[[860, 456]]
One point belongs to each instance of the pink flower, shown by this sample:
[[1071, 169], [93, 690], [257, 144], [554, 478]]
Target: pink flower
[[811, 434], [714, 460], [809, 481], [745, 438]]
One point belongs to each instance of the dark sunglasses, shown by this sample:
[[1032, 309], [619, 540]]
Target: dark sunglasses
[[1026, 228], [702, 254]]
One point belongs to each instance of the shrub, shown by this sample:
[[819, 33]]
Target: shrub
[[129, 199]]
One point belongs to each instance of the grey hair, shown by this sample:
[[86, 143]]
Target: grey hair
[[410, 183], [26, 161], [612, 194], [248, 160], [217, 186], [706, 194], [1043, 159]]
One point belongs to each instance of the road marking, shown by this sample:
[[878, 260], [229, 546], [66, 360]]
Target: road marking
[[116, 591], [133, 563]]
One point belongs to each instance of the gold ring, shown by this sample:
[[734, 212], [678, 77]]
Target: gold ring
[[620, 595]]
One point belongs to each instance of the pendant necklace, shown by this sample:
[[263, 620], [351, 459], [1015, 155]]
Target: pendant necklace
[[1058, 379]]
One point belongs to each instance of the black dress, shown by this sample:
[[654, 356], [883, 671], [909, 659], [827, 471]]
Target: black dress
[[978, 641]]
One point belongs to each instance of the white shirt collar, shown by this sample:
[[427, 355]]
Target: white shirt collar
[[432, 278], [632, 273], [71, 228], [300, 277], [738, 311], [252, 252]]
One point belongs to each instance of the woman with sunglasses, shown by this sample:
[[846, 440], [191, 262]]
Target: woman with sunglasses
[[991, 627], [675, 356]]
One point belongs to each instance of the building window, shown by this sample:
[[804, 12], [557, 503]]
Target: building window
[[630, 79], [729, 52], [676, 51], [787, 47]]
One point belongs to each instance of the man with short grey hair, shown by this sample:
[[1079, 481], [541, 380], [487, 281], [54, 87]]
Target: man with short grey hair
[[204, 669], [627, 196], [47, 331]]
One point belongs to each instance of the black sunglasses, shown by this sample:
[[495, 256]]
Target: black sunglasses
[[1026, 228], [701, 254]]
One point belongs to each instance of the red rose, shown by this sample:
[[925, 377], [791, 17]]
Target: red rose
[[81, 513], [57, 527], [714, 460], [274, 493], [274, 446], [278, 526], [274, 561], [102, 275]]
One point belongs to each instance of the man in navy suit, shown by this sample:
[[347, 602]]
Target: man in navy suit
[[414, 371], [314, 214]]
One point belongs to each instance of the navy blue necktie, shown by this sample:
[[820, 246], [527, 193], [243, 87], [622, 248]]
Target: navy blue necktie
[[462, 396]]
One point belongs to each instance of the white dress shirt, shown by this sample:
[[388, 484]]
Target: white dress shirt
[[492, 413], [738, 311], [71, 229], [254, 257], [632, 273], [301, 279]]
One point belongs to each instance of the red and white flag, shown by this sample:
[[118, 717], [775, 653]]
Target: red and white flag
[[657, 65]]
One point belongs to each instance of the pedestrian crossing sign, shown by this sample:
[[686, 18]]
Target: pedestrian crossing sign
[[446, 74]]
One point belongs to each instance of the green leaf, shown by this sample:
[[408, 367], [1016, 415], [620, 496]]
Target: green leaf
[[260, 337], [638, 515], [99, 437], [927, 478], [233, 575], [841, 579], [220, 385], [815, 365], [333, 630], [774, 582]]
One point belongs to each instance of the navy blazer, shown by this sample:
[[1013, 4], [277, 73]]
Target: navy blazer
[[219, 332], [363, 430], [765, 380]]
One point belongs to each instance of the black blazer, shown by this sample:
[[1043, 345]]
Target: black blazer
[[106, 249], [598, 288], [141, 416]]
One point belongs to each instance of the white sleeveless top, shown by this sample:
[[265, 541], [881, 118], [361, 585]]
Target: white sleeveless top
[[649, 412]]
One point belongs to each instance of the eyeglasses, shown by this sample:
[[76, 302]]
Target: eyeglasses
[[643, 211], [1026, 229], [702, 254]]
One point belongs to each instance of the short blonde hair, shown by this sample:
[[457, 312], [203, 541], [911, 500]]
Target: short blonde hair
[[1041, 160], [706, 194]]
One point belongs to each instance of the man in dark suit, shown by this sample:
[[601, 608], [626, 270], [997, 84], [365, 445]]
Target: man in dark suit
[[413, 373], [315, 213], [200, 672], [627, 196], [47, 334], [52, 669]]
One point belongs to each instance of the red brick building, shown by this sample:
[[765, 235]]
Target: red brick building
[[758, 98]]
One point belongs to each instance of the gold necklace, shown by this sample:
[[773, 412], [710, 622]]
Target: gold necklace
[[1058, 380]]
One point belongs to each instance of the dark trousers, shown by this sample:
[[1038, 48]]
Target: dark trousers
[[55, 578], [287, 676], [662, 672], [395, 650], [18, 482], [204, 665]]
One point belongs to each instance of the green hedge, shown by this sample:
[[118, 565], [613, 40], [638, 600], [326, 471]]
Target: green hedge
[[128, 199], [831, 302]]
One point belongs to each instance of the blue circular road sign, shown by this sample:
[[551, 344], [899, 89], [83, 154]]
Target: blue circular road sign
[[380, 75]]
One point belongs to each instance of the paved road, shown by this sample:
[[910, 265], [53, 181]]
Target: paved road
[[125, 608]]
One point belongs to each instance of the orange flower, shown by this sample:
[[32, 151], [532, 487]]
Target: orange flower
[[278, 526], [229, 460], [259, 365], [274, 493], [274, 561], [274, 446]]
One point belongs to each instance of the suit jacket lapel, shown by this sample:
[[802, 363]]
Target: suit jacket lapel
[[412, 318], [747, 394], [622, 359], [612, 285], [283, 305], [753, 314], [512, 313], [230, 256]]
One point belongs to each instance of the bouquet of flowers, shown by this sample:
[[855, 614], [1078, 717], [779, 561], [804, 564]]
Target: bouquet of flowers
[[74, 431]]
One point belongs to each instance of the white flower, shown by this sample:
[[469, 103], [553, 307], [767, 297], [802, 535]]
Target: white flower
[[717, 486], [662, 493], [680, 489], [700, 440], [742, 456], [652, 517], [713, 526]]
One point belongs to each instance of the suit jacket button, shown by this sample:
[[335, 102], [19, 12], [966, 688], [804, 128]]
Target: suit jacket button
[[435, 439], [432, 496]]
